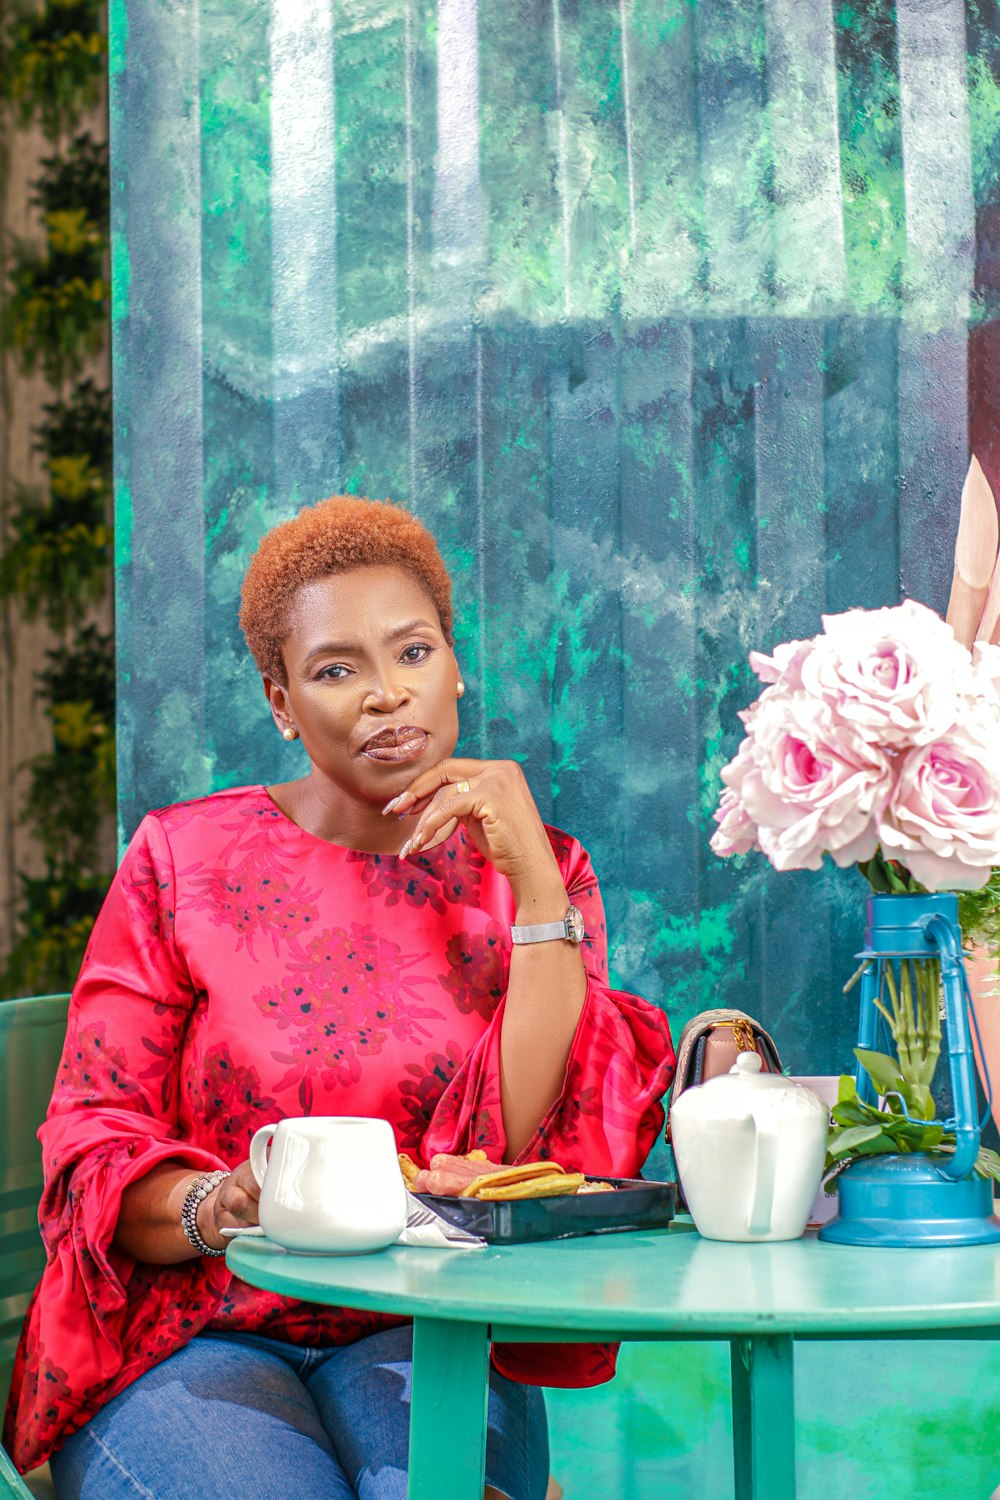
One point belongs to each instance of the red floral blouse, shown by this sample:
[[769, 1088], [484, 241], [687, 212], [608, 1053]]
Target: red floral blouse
[[242, 971]]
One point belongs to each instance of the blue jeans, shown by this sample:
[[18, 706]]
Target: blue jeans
[[251, 1418]]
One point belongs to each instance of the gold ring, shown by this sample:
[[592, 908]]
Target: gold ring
[[461, 786]]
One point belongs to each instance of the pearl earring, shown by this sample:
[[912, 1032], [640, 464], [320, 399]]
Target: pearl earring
[[461, 688], [289, 734]]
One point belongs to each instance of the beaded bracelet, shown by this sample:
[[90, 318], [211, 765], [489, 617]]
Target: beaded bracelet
[[196, 1193]]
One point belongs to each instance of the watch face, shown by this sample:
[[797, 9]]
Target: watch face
[[574, 925]]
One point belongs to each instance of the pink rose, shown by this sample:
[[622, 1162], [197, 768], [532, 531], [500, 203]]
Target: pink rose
[[943, 819], [986, 667], [784, 665], [809, 783], [898, 675], [883, 729], [736, 833]]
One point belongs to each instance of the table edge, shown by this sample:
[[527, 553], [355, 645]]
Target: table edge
[[600, 1324]]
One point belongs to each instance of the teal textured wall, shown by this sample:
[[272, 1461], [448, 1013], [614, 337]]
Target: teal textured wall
[[672, 318]]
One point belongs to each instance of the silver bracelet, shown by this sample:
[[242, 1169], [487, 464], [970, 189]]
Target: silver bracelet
[[197, 1193]]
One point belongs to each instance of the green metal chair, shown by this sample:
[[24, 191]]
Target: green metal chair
[[31, 1038]]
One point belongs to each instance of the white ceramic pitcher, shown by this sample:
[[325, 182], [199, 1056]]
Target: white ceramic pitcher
[[749, 1148], [330, 1184]]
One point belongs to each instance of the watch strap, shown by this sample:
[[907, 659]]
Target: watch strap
[[540, 932], [570, 929]]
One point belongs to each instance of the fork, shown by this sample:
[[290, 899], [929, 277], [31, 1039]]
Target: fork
[[418, 1214]]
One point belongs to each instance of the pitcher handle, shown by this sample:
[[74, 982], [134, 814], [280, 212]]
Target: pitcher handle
[[764, 1171], [258, 1152]]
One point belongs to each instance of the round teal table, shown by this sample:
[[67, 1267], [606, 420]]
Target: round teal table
[[668, 1285]]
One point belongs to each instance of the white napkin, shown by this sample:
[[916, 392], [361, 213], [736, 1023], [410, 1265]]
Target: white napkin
[[426, 1228]]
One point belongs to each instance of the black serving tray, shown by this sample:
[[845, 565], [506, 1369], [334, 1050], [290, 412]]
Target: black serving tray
[[636, 1205]]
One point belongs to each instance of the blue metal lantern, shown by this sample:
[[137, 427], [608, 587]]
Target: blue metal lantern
[[919, 1198]]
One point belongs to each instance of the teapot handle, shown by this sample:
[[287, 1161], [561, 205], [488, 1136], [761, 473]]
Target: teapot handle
[[764, 1171], [258, 1152]]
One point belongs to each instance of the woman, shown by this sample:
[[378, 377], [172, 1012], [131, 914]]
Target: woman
[[337, 944]]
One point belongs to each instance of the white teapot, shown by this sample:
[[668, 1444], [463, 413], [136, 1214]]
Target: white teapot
[[749, 1148]]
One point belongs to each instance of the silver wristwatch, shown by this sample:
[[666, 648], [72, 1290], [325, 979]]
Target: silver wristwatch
[[570, 928]]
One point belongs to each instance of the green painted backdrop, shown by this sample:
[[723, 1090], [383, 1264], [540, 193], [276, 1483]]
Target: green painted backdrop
[[672, 318], [658, 312]]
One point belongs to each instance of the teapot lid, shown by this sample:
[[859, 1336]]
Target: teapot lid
[[745, 1089], [749, 1064]]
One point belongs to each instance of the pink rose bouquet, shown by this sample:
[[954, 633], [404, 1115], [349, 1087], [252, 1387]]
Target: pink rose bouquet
[[876, 742]]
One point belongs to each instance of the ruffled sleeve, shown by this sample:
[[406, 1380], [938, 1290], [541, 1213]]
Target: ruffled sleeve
[[98, 1319], [605, 1120], [608, 1113]]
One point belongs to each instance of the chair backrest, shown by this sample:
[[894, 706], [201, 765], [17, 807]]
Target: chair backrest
[[32, 1032]]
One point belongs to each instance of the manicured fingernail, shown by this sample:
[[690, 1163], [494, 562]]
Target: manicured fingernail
[[405, 849], [390, 805]]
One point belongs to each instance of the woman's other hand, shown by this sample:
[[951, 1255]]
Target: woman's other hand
[[149, 1218], [494, 802], [234, 1204]]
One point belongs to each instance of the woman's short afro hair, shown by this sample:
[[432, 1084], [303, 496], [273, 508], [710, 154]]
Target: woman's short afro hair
[[331, 537]]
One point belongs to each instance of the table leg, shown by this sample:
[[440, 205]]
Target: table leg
[[448, 1410], [763, 1417]]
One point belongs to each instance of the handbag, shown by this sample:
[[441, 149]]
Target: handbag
[[710, 1044]]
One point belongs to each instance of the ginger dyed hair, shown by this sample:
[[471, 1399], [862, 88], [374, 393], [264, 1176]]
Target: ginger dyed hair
[[331, 537]]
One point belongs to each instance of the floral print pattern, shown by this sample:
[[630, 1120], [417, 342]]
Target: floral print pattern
[[449, 873], [243, 970], [231, 1099], [476, 975]]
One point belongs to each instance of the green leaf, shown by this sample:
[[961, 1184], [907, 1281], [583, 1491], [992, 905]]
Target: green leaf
[[847, 1088], [979, 913], [881, 1069], [923, 1137], [899, 884], [988, 1163], [874, 872], [843, 1142], [852, 1112]]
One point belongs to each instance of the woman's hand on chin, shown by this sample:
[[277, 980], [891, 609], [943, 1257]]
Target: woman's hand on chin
[[492, 799]]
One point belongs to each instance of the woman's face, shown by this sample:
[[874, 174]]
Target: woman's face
[[372, 682]]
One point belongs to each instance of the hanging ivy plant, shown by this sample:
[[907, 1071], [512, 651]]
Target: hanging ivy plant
[[78, 179], [73, 788], [78, 423], [56, 562], [58, 556], [54, 63], [57, 912], [57, 310]]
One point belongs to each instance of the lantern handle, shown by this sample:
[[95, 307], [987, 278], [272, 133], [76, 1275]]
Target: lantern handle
[[987, 1080], [947, 939]]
